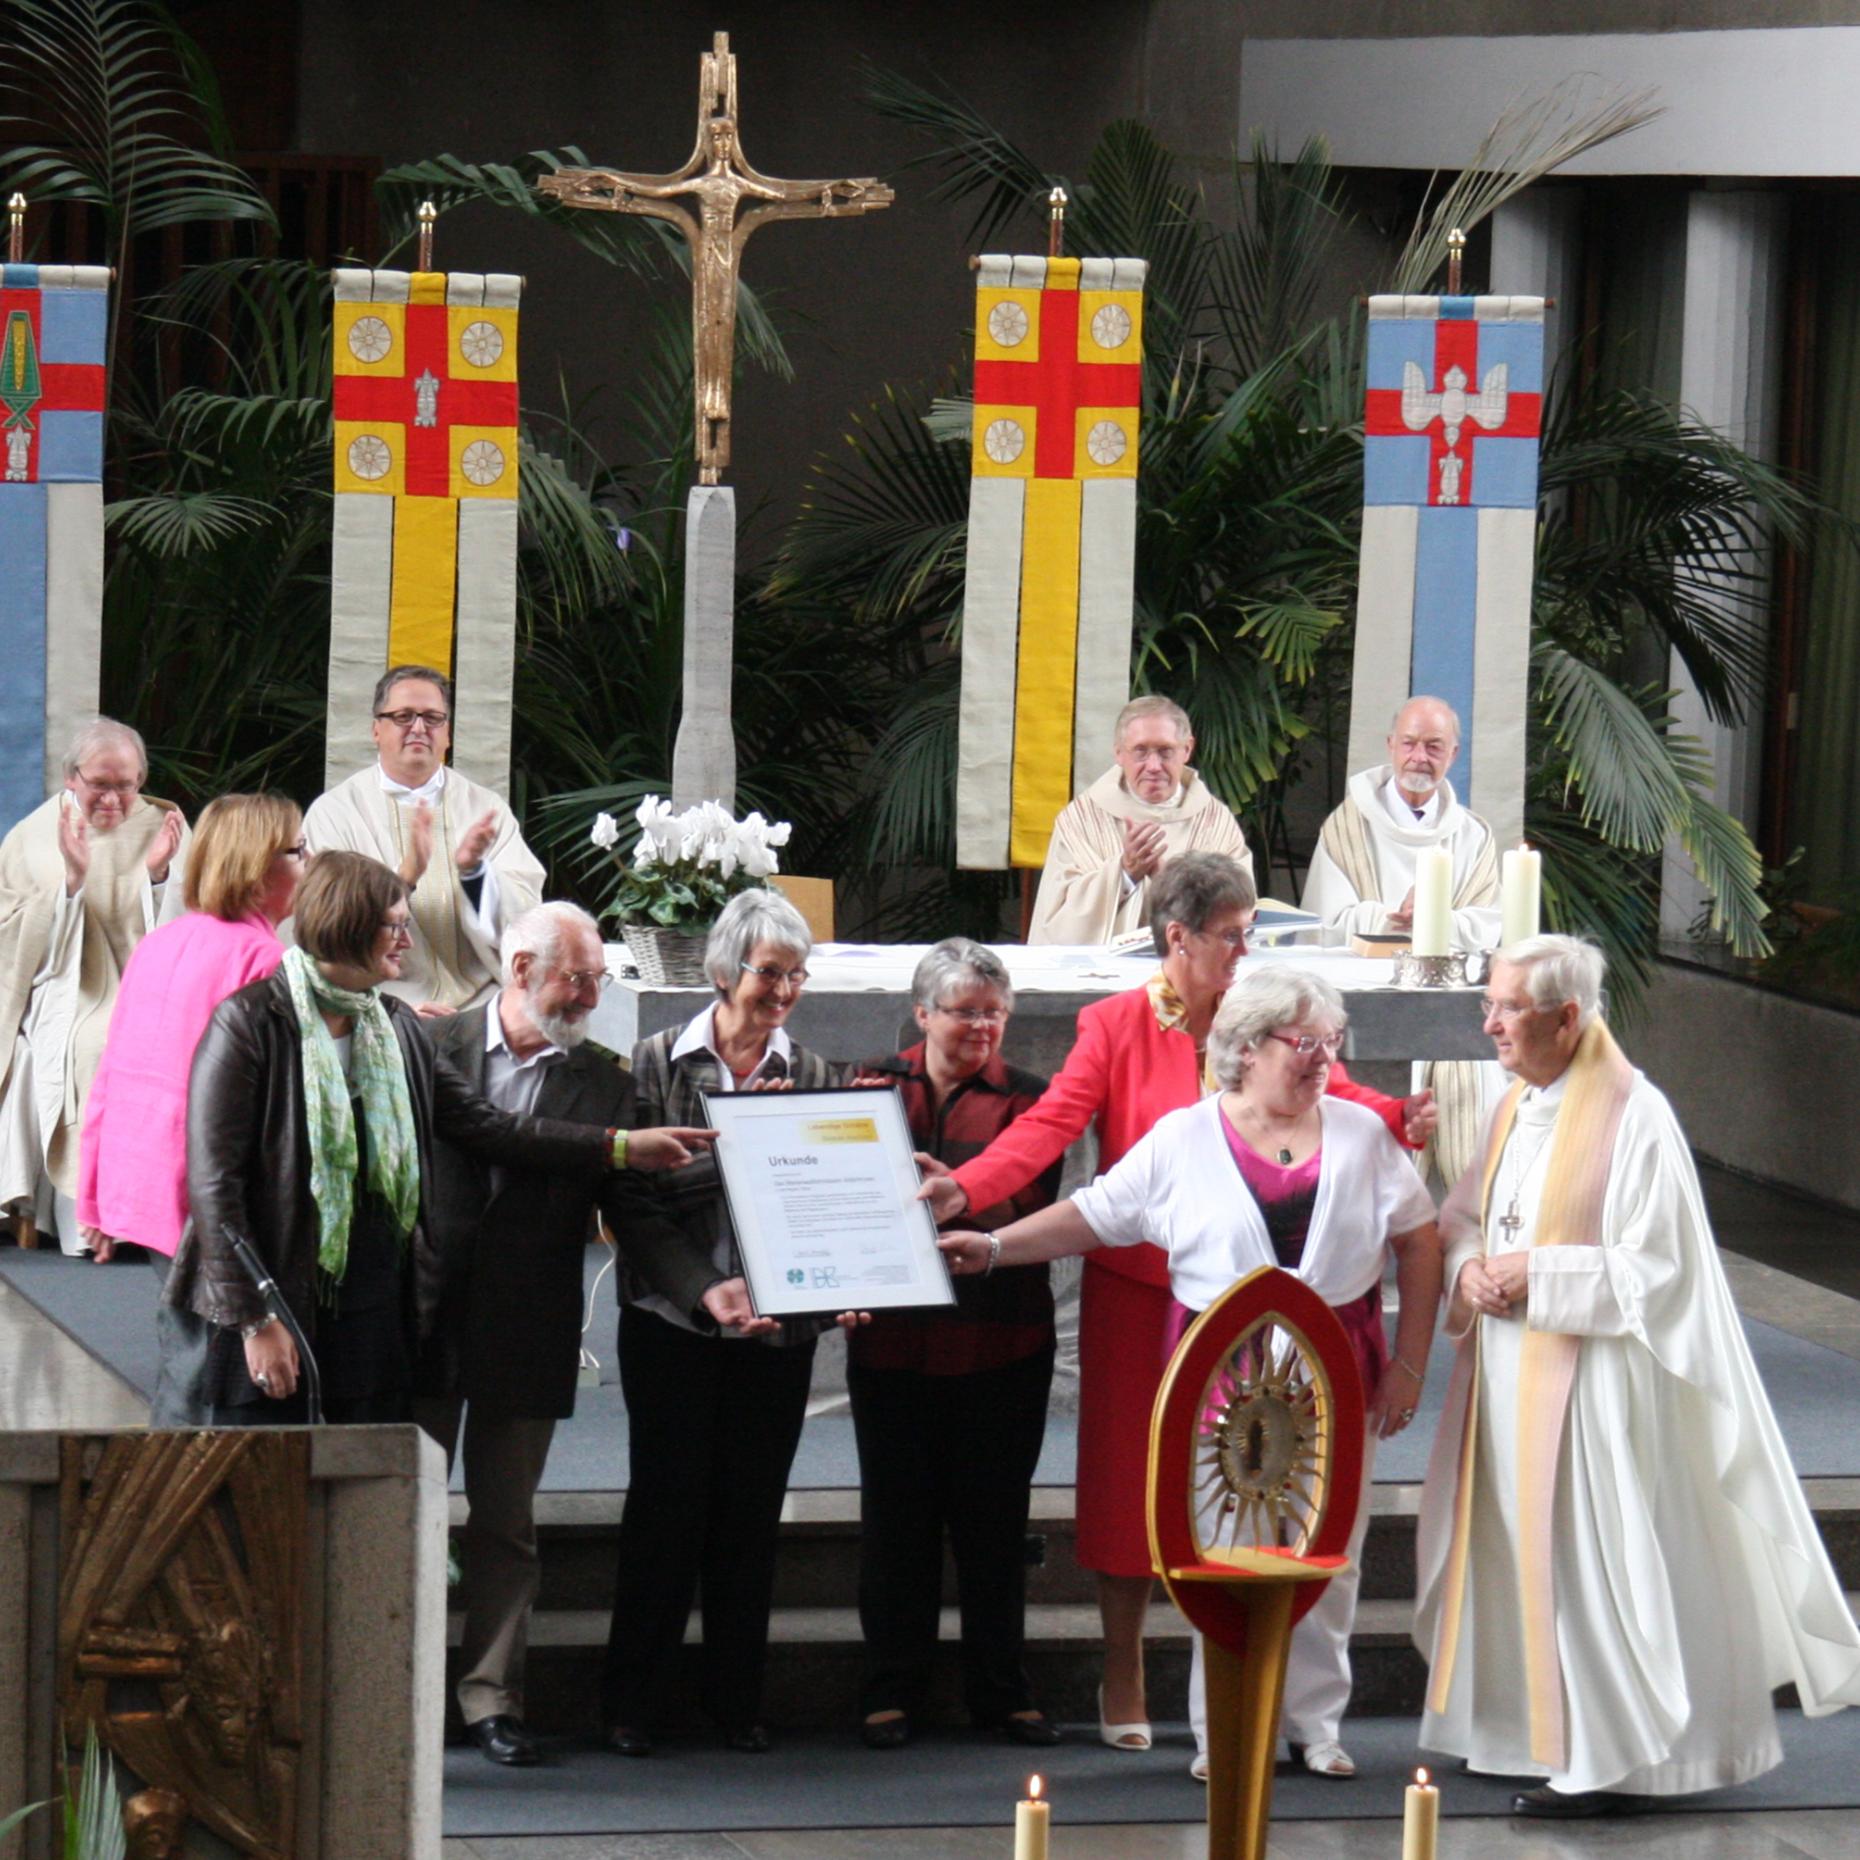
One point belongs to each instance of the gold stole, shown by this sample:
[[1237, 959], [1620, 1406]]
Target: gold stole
[[1570, 1214]]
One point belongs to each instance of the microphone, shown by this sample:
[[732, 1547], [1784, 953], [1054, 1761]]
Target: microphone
[[279, 1307]]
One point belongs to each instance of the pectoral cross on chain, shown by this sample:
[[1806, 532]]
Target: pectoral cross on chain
[[1511, 1220], [716, 200]]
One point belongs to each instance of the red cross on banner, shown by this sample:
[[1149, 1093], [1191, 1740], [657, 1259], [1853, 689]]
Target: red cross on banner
[[427, 401], [61, 387], [1455, 409], [1057, 382]]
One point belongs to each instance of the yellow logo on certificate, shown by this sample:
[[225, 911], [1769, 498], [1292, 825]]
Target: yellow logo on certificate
[[841, 1130]]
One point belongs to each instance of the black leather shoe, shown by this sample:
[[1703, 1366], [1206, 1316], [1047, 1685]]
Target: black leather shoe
[[752, 1739], [886, 1733], [624, 1741], [1553, 1805], [504, 1740], [1038, 1731]]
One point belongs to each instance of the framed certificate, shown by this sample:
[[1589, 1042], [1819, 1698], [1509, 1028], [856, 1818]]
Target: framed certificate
[[822, 1187]]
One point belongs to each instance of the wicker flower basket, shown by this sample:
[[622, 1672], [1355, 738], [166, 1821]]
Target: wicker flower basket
[[666, 958]]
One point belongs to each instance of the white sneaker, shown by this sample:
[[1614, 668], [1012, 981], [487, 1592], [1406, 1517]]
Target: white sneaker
[[1199, 1768], [1331, 1760]]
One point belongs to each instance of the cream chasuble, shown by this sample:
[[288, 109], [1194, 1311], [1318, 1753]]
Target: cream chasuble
[[454, 956], [1362, 868], [1607, 1599], [1083, 896], [61, 962]]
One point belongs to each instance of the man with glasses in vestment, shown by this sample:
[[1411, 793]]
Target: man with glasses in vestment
[[454, 842], [1109, 843], [82, 879]]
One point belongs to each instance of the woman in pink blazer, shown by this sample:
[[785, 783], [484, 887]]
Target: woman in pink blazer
[[242, 873]]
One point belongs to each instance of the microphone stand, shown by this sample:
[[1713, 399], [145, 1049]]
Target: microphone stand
[[279, 1307]]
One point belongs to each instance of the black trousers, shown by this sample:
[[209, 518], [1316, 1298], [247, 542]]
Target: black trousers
[[953, 1453], [713, 1424]]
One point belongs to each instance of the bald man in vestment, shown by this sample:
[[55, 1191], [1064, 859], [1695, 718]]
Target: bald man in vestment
[[83, 878], [1110, 842], [456, 843]]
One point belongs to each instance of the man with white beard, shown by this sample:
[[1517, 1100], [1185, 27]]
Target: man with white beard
[[1361, 881], [1616, 1564], [504, 1361], [83, 878]]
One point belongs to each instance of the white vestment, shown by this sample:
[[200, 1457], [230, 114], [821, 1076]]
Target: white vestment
[[1085, 895], [454, 958], [1687, 1574], [61, 963], [1363, 865]]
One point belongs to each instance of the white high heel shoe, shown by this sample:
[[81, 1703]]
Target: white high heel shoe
[[1132, 1736]]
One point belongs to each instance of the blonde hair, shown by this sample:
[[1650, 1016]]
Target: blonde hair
[[235, 841]]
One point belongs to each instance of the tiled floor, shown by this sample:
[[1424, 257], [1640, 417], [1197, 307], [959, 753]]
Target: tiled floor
[[1829, 1835]]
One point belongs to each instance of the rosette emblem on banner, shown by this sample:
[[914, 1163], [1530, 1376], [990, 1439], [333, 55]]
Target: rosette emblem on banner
[[54, 322], [1450, 440], [1052, 544], [424, 567]]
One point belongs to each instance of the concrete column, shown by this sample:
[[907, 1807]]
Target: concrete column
[[704, 756], [1730, 378], [1534, 253]]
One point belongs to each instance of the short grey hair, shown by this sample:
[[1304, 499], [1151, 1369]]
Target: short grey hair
[[753, 917], [1191, 888], [1259, 1003], [539, 932], [105, 733], [954, 962], [1558, 969], [1154, 705], [1426, 697]]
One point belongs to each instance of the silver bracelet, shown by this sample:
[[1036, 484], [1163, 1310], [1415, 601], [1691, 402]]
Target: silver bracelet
[[994, 1253], [1401, 1362], [249, 1331]]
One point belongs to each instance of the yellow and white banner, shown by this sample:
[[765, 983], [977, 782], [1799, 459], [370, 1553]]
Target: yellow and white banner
[[424, 568], [1052, 544]]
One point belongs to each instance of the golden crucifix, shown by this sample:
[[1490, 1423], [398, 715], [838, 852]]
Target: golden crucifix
[[716, 200]]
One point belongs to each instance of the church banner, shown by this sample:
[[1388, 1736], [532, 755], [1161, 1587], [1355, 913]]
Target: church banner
[[1450, 437], [1052, 544], [54, 325], [424, 567]]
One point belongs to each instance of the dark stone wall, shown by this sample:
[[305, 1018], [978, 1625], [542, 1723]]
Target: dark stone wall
[[867, 302]]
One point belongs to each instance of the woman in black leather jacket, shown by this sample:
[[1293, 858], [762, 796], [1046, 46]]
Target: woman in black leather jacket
[[312, 1108]]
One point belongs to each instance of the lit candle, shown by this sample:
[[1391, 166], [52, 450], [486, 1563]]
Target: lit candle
[[1420, 1822], [1433, 902], [1520, 891], [1031, 1818]]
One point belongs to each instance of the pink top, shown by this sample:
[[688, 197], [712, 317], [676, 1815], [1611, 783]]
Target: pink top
[[132, 1166]]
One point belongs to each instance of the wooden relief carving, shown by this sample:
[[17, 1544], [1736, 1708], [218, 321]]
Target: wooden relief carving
[[180, 1619]]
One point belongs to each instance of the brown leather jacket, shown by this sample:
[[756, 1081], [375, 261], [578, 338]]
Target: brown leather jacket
[[248, 1154]]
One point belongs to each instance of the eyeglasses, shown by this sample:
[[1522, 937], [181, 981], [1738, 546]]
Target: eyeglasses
[[397, 933], [977, 1017], [123, 789], [1304, 1045], [767, 972], [1504, 1010], [578, 979], [1172, 754], [406, 719], [1234, 939], [299, 851]]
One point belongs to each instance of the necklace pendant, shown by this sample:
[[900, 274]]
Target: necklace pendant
[[1285, 1158], [1511, 1220]]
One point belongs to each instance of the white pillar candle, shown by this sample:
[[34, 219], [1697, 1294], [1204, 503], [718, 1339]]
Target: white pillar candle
[[1420, 1822], [1031, 1820], [1520, 894], [1433, 902]]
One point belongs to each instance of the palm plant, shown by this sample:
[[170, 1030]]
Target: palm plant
[[1249, 500]]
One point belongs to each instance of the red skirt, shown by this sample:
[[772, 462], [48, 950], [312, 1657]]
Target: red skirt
[[1123, 1328]]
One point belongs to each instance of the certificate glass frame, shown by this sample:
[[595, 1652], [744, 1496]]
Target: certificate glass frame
[[821, 1186]]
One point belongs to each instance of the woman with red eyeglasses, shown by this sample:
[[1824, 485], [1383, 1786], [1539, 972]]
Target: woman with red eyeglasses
[[1138, 1056]]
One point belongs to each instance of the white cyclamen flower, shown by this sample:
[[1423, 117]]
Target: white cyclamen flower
[[605, 831]]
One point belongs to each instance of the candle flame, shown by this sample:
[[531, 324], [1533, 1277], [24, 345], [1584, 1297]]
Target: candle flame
[[1420, 1779], [1033, 1788]]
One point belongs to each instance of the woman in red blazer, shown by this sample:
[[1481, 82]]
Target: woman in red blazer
[[1138, 1055]]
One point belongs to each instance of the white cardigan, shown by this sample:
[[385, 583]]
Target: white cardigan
[[1180, 1189]]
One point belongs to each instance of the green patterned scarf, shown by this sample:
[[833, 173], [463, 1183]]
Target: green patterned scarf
[[380, 1079]]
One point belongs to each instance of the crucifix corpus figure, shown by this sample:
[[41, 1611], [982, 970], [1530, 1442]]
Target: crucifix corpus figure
[[716, 200]]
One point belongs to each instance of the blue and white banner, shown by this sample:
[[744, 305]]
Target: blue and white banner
[[1451, 425], [53, 327]]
